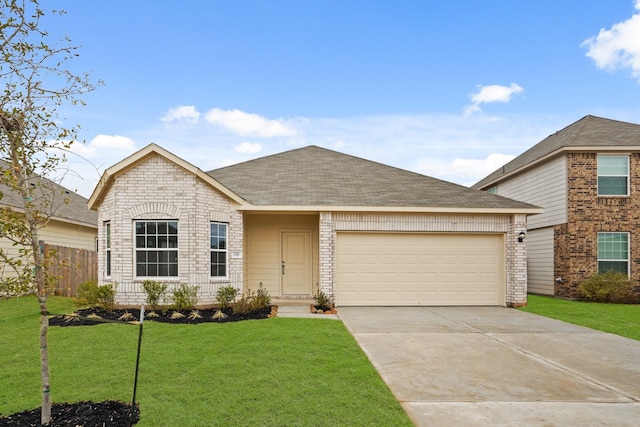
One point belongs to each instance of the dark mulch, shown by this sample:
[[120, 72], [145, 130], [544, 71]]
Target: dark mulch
[[86, 414], [210, 315]]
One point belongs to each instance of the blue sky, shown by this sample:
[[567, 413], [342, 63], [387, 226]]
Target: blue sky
[[448, 89]]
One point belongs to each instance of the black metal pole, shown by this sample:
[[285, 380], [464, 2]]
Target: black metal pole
[[135, 379]]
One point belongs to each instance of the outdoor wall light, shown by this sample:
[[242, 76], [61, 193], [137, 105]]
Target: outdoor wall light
[[521, 236]]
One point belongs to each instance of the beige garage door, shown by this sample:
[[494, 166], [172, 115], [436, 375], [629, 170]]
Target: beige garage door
[[419, 269]]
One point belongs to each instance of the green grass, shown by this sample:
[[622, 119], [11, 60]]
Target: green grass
[[270, 372], [619, 319]]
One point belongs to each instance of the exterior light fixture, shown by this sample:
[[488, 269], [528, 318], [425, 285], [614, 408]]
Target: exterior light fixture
[[521, 236]]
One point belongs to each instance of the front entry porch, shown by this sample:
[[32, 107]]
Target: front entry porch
[[282, 254]]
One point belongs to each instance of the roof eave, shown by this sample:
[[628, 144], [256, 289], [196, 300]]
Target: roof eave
[[391, 209]]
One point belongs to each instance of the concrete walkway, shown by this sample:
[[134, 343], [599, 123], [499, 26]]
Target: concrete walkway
[[491, 366]]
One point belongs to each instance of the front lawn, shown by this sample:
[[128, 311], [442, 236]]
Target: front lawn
[[619, 319], [271, 372]]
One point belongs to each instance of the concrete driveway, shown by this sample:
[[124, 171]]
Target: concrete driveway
[[477, 366]]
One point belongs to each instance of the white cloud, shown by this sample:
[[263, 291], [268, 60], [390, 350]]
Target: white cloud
[[491, 93], [104, 143], [246, 124], [248, 148], [185, 114], [618, 47]]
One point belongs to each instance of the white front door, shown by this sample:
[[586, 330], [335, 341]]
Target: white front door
[[296, 263]]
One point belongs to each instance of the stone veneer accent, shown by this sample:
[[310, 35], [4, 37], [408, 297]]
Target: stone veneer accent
[[158, 189], [576, 242], [511, 225]]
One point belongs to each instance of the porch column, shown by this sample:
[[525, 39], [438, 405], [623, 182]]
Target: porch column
[[327, 253], [516, 292]]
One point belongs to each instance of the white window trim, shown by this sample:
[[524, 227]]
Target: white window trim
[[628, 156], [628, 260], [108, 261], [226, 252], [135, 251]]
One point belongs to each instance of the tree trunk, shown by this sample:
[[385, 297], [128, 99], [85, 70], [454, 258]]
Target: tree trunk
[[45, 415]]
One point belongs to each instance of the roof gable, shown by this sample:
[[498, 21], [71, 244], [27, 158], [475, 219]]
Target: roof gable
[[318, 177], [140, 156], [589, 133]]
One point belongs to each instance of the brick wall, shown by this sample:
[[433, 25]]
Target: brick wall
[[576, 242], [160, 190]]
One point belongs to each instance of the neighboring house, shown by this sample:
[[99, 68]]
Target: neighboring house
[[308, 219], [71, 223], [587, 179]]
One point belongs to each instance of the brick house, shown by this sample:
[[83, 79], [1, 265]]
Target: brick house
[[306, 220], [587, 179]]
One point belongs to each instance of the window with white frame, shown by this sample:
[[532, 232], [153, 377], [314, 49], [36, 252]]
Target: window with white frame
[[107, 247], [218, 246], [613, 252], [156, 248], [613, 175]]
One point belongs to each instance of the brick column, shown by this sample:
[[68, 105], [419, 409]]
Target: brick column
[[516, 274], [327, 253]]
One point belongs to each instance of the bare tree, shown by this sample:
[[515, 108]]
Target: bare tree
[[35, 83]]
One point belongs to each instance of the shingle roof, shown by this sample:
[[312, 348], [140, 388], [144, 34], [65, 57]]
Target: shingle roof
[[75, 211], [314, 176], [590, 131]]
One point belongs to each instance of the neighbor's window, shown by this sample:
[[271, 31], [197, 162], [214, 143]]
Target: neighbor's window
[[107, 230], [613, 252], [613, 175], [493, 190], [218, 249], [156, 248]]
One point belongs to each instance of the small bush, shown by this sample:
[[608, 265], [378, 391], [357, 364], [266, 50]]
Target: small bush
[[107, 296], [91, 295], [610, 287], [156, 291], [261, 299], [243, 305], [253, 301], [185, 297], [323, 302], [87, 294], [226, 295]]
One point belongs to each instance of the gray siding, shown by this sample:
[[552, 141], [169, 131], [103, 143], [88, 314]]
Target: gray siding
[[544, 186], [540, 261]]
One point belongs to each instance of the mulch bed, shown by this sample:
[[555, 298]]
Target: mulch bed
[[210, 315], [85, 414]]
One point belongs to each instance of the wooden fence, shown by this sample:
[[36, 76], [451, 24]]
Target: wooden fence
[[73, 266]]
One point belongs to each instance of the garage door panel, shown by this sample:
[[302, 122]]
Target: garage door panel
[[419, 269]]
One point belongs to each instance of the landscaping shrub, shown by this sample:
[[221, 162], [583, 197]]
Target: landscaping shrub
[[252, 301], [323, 302], [90, 295], [611, 287], [87, 294], [107, 296], [261, 299], [185, 297], [226, 295], [156, 291], [243, 305]]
